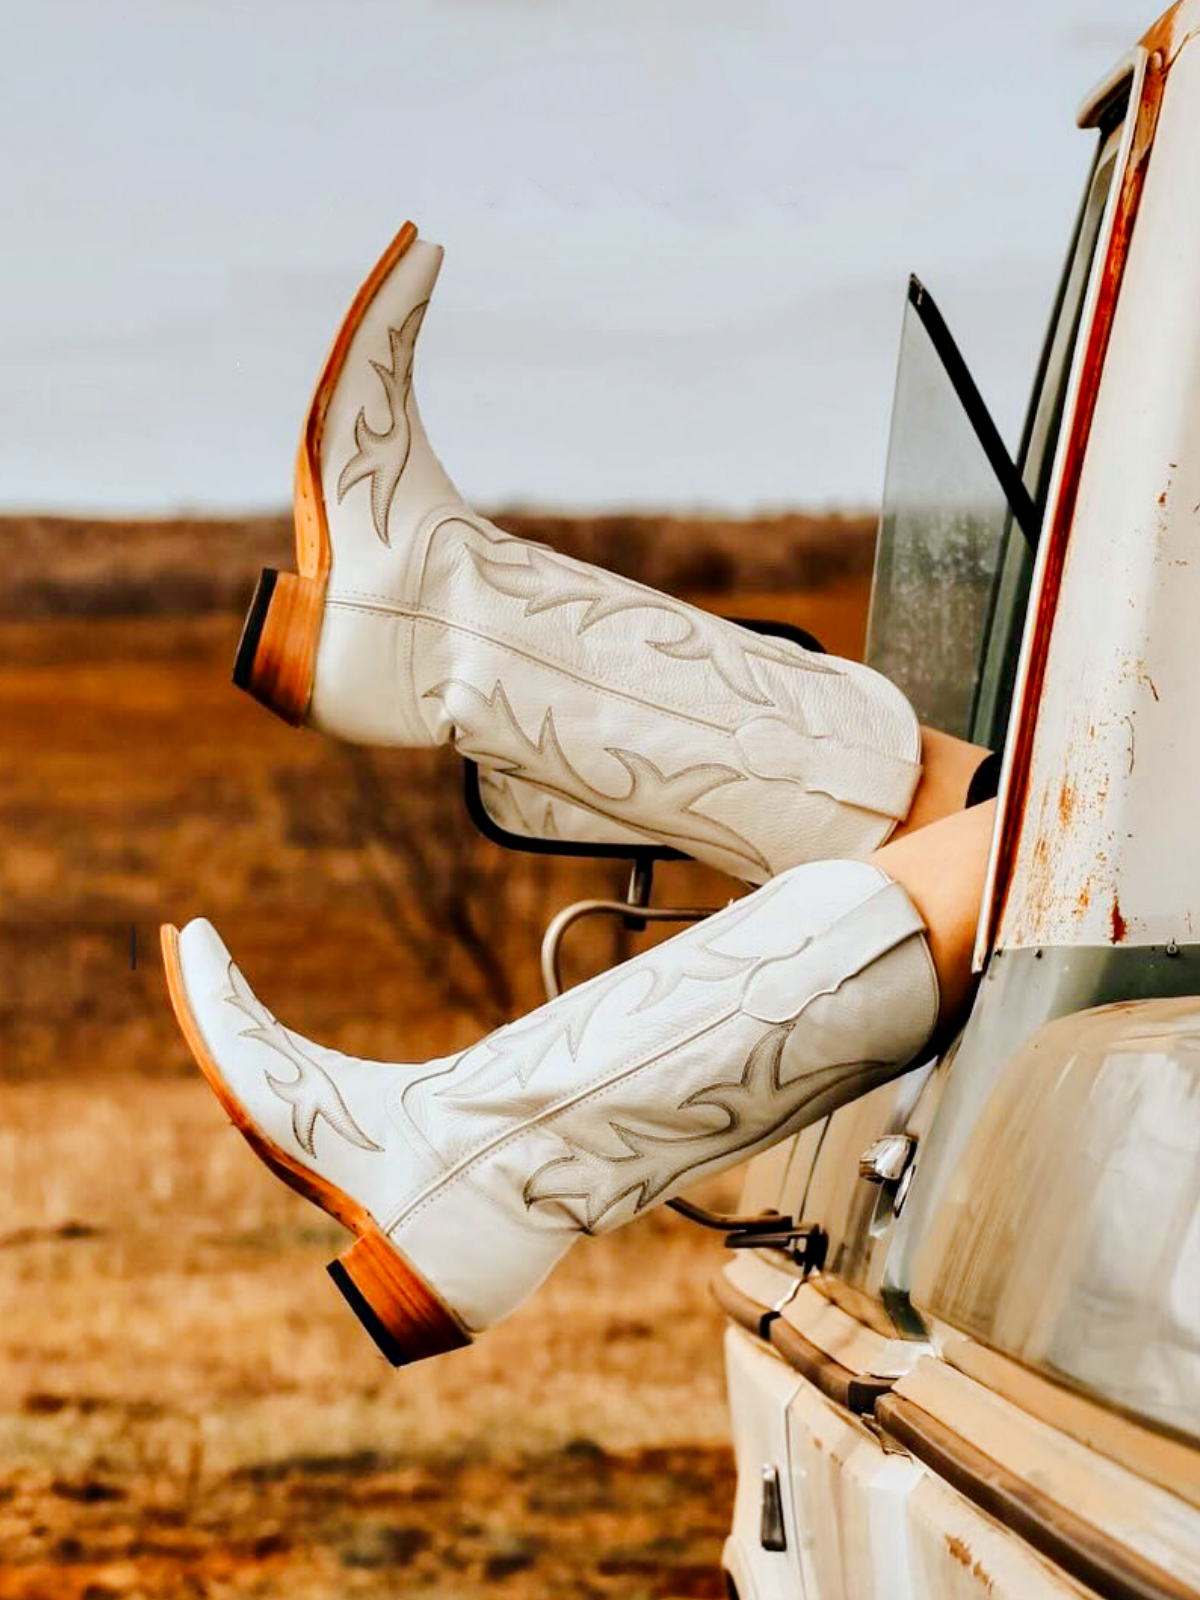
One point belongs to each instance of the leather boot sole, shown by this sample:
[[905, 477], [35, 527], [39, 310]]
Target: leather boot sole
[[393, 1302], [277, 656]]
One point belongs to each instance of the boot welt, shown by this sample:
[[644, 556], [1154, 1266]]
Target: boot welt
[[276, 658], [398, 1308]]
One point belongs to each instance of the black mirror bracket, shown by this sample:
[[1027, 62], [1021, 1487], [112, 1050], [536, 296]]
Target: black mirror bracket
[[804, 1243], [641, 887]]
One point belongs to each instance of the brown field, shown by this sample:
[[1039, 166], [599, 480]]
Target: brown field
[[188, 1409]]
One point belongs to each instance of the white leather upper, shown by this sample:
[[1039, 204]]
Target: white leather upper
[[659, 719], [484, 1167]]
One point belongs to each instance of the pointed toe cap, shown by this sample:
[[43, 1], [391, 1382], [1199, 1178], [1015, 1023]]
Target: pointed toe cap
[[316, 1117], [203, 955], [199, 970]]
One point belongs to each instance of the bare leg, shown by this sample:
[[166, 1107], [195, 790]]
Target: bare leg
[[942, 870], [948, 766]]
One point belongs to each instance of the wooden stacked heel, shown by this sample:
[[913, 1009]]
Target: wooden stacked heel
[[277, 657], [394, 1305]]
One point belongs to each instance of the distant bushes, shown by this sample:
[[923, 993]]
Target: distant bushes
[[62, 567]]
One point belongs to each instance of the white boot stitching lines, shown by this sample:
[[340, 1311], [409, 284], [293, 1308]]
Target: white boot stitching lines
[[312, 1093], [597, 1086], [373, 461]]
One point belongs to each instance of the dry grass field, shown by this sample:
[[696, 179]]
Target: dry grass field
[[186, 1406]]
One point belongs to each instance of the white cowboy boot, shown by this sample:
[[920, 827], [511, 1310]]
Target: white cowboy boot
[[414, 621], [467, 1178]]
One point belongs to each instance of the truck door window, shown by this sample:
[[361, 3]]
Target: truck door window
[[955, 550], [950, 492]]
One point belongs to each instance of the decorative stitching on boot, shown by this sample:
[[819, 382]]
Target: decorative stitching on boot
[[519, 1050], [878, 924], [818, 969], [389, 610], [608, 1081], [501, 795], [679, 961], [312, 1093], [601, 1182], [382, 457], [547, 582], [663, 802], [897, 775]]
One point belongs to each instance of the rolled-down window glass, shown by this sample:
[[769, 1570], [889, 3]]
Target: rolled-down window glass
[[950, 490]]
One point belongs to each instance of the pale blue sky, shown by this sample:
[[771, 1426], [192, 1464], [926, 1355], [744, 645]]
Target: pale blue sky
[[677, 232]]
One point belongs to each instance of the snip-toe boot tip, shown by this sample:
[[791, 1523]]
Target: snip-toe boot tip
[[393, 1302]]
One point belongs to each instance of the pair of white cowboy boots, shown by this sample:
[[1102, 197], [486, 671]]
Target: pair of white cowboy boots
[[604, 710]]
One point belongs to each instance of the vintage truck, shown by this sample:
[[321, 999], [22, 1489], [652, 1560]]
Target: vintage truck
[[964, 1345]]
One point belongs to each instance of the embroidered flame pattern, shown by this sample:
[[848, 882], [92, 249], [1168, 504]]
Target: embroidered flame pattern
[[382, 457], [519, 1050], [754, 1107], [312, 1093], [654, 1162], [660, 805], [546, 582]]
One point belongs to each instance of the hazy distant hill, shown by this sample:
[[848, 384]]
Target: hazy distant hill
[[69, 568]]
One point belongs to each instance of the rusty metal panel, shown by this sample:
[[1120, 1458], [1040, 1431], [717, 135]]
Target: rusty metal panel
[[1074, 440], [1104, 846], [1168, 35], [1088, 1514], [959, 1554]]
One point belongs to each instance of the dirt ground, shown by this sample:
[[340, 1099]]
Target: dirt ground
[[187, 1408], [190, 1409]]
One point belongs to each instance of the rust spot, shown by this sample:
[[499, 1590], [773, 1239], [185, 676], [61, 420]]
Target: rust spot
[[1066, 802], [1162, 38], [959, 1549], [1119, 926], [1162, 499], [1084, 899], [1168, 35]]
